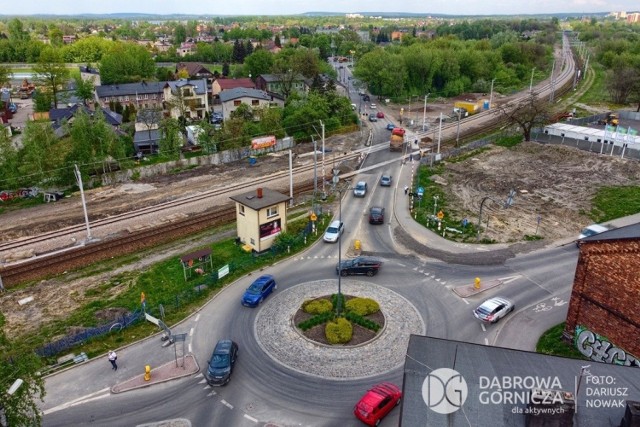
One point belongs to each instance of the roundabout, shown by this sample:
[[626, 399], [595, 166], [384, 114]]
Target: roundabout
[[279, 338]]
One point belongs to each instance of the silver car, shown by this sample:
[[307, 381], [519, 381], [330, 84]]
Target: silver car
[[334, 231], [360, 190], [493, 309]]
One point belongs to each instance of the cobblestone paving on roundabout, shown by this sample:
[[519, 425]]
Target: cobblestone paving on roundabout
[[278, 337]]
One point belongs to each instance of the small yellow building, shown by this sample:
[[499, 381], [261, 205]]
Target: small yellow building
[[260, 216]]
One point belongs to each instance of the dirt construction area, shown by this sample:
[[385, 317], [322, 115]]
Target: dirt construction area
[[553, 183]]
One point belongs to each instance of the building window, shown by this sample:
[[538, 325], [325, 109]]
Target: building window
[[237, 103], [241, 209], [255, 103], [253, 242], [145, 96], [126, 98], [272, 211]]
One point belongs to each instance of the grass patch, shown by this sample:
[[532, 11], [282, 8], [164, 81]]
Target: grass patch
[[508, 141], [551, 343], [615, 202]]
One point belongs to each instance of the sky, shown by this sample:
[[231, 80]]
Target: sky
[[291, 7]]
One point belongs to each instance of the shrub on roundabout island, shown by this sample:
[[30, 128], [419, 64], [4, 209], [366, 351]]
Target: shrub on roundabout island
[[339, 331], [317, 306], [362, 306]]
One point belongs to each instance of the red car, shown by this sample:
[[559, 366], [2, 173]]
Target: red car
[[377, 403], [380, 115]]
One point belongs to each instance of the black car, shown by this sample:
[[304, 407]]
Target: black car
[[366, 98], [221, 363], [359, 265], [376, 215]]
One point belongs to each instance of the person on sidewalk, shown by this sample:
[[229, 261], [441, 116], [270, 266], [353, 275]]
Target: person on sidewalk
[[112, 358], [406, 190]]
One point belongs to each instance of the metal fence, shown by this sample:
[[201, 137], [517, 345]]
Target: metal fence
[[198, 286]]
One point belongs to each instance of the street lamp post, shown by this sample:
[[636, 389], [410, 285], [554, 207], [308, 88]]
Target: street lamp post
[[531, 82], [491, 94], [336, 180], [458, 130], [424, 112]]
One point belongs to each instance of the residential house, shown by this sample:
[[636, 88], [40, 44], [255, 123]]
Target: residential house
[[141, 95], [222, 84], [60, 116], [187, 98], [186, 48], [162, 46], [90, 74], [231, 99], [68, 39], [195, 70], [147, 141], [276, 84]]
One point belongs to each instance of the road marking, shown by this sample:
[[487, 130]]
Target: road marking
[[438, 279], [227, 404], [486, 341], [203, 380], [509, 278], [484, 329], [212, 393], [466, 302], [250, 418], [84, 399], [191, 332], [444, 283], [197, 317], [190, 350]]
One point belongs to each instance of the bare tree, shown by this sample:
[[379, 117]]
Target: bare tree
[[526, 113], [621, 83]]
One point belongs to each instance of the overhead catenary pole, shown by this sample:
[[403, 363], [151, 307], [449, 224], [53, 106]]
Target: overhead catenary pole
[[424, 112], [76, 171], [440, 134], [491, 94], [290, 178], [531, 82], [323, 174]]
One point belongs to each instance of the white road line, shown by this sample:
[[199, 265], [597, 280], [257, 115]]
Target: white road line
[[197, 317], [190, 350], [212, 393], [250, 418], [484, 329], [227, 404], [438, 280], [88, 398], [465, 301], [486, 341], [420, 271], [444, 283], [191, 332], [202, 381]]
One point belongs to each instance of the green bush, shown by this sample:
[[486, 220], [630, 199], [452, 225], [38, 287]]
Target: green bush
[[317, 306], [315, 320], [339, 331], [362, 321], [334, 300], [362, 306]]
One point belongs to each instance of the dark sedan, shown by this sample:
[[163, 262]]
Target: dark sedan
[[359, 265], [221, 363], [376, 215]]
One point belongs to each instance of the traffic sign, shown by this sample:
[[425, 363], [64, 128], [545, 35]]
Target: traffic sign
[[420, 191], [440, 214]]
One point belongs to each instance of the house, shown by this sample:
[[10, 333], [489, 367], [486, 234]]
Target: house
[[147, 141], [222, 84], [231, 99], [194, 70], [141, 95], [187, 98], [90, 74], [162, 46], [186, 48], [68, 39], [261, 215], [58, 115], [282, 85]]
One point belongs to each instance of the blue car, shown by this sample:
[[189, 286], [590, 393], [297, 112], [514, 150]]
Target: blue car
[[259, 290], [391, 126]]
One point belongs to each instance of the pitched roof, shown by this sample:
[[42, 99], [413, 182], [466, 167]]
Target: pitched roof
[[147, 135], [270, 78], [200, 85], [226, 84], [139, 88], [251, 200], [193, 68], [59, 114], [242, 92], [631, 231]]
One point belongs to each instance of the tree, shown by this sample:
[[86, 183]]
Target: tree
[[84, 89], [259, 62], [40, 156], [20, 408], [126, 63], [171, 139], [5, 76], [276, 41], [8, 162], [238, 52], [621, 82], [51, 72], [225, 69], [528, 113]]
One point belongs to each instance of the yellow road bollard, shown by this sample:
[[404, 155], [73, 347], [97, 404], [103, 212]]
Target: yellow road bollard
[[147, 372], [356, 245], [477, 283]]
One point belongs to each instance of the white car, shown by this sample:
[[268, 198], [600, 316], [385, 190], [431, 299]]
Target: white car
[[373, 106], [333, 232], [493, 309], [589, 231]]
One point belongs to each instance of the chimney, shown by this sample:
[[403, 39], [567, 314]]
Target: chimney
[[259, 193]]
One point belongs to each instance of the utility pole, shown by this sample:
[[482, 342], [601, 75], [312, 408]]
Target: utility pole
[[440, 133], [424, 112], [458, 129], [323, 174], [491, 94], [290, 179], [531, 83], [76, 171], [553, 82]]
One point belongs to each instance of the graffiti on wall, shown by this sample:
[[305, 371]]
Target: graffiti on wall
[[600, 349], [23, 193]]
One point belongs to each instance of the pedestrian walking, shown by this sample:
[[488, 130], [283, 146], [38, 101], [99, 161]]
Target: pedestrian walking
[[406, 189], [112, 358]]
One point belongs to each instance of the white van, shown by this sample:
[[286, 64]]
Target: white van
[[591, 230]]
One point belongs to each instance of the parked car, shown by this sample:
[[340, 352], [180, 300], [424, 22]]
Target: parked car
[[391, 126], [372, 117], [377, 402], [373, 106], [360, 190], [385, 180], [13, 107], [359, 265], [493, 309], [261, 288], [221, 363], [589, 231], [376, 215], [333, 232], [380, 115]]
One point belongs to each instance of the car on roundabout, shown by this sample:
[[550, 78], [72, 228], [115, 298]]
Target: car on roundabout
[[261, 288], [391, 126], [493, 309], [359, 265], [377, 402], [221, 364], [376, 215], [385, 180]]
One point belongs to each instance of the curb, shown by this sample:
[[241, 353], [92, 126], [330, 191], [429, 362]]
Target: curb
[[138, 381]]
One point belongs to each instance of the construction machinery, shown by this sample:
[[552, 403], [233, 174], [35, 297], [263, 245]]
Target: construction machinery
[[609, 119]]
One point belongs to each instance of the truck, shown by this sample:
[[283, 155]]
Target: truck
[[397, 139], [466, 108]]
